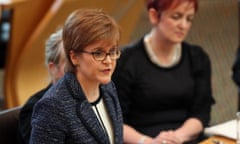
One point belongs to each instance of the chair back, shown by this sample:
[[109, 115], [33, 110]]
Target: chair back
[[9, 126]]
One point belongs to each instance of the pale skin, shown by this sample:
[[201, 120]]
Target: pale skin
[[90, 72], [169, 29]]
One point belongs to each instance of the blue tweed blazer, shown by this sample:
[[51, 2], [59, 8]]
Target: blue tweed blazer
[[63, 115]]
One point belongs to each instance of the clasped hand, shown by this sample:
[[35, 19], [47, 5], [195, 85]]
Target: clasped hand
[[167, 137]]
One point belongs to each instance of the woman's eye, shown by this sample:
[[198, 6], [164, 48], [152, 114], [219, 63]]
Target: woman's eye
[[112, 51], [176, 16], [190, 19], [97, 53]]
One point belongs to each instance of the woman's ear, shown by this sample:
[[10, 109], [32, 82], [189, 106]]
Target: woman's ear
[[153, 16], [73, 57], [52, 68]]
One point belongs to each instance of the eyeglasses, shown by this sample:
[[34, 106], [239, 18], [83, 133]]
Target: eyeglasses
[[100, 55]]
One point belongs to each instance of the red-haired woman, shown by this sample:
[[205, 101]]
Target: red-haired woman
[[164, 83]]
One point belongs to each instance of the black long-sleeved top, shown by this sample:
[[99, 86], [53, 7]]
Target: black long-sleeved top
[[155, 98]]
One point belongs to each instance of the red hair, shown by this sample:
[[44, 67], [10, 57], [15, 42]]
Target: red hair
[[162, 5]]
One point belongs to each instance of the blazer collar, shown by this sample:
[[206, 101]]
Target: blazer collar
[[90, 121], [111, 103], [86, 113]]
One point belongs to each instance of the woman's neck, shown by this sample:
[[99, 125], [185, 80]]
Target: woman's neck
[[165, 52], [89, 87], [160, 45]]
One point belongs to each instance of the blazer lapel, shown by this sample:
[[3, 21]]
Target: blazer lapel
[[85, 111], [113, 112], [89, 119]]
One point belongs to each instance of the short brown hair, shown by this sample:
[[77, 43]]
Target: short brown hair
[[84, 27]]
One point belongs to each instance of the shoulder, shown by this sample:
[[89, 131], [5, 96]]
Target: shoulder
[[110, 91], [132, 48], [56, 102], [34, 99], [56, 96], [131, 53], [195, 50], [110, 88], [198, 58]]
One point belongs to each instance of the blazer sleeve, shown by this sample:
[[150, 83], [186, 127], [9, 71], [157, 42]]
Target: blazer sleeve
[[48, 123], [26, 115]]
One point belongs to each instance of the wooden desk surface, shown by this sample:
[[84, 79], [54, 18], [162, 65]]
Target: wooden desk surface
[[218, 139]]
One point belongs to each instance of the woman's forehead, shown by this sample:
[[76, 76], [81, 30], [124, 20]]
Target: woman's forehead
[[182, 5], [102, 45]]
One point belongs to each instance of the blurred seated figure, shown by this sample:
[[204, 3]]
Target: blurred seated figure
[[236, 74], [55, 61]]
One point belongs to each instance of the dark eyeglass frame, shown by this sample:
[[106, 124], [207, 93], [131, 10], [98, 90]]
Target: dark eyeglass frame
[[95, 57]]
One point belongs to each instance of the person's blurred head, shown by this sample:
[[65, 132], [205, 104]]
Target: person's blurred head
[[171, 19], [54, 56], [91, 30], [162, 5]]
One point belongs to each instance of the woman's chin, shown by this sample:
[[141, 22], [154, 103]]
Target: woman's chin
[[105, 81]]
